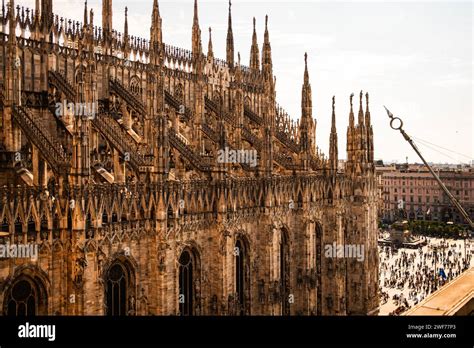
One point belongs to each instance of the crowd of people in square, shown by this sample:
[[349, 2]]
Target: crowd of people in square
[[408, 276]]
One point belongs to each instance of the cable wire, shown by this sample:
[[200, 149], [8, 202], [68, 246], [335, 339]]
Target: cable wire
[[458, 153], [442, 153]]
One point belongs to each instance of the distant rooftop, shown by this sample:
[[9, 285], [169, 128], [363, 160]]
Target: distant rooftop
[[419, 167]]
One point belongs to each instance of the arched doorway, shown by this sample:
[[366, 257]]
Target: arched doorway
[[26, 297], [285, 272], [242, 277], [189, 283], [120, 289]]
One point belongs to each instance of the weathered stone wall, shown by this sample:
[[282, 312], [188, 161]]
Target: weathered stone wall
[[74, 263]]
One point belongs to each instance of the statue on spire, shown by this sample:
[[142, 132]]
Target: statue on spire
[[230, 40], [107, 17], [210, 52], [85, 13], [254, 51], [196, 35], [361, 111], [333, 148], [155, 29]]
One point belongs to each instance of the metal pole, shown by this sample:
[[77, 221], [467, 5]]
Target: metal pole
[[465, 252], [413, 145]]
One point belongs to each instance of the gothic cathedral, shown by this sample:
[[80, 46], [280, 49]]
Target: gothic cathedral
[[111, 164]]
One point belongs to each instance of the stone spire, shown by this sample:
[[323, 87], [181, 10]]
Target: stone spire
[[360, 119], [107, 18], [195, 16], [85, 13], [10, 84], [306, 74], [370, 133], [91, 18], [333, 155], [268, 103], [361, 133], [12, 24], [196, 36], [126, 39], [156, 36], [267, 66], [230, 40], [306, 99], [47, 13], [307, 127], [367, 112], [125, 26], [36, 19], [210, 53], [350, 137], [351, 113], [198, 69], [254, 51], [37, 8]]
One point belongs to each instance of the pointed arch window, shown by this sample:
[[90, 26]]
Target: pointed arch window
[[44, 230], [56, 229], [69, 220], [26, 297], [105, 218], [135, 86], [31, 229], [285, 273], [22, 301], [186, 293], [170, 217], [18, 227], [242, 277], [318, 254], [189, 283], [89, 227], [119, 291]]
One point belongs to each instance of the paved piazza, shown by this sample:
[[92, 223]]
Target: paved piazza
[[408, 276]]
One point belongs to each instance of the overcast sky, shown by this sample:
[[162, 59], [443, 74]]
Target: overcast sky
[[414, 57]]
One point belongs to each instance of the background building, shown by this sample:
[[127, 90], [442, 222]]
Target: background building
[[414, 188]]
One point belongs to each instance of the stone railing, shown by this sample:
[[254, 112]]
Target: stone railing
[[195, 159], [211, 105], [51, 150], [122, 141], [253, 116], [178, 106], [62, 84], [128, 97]]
